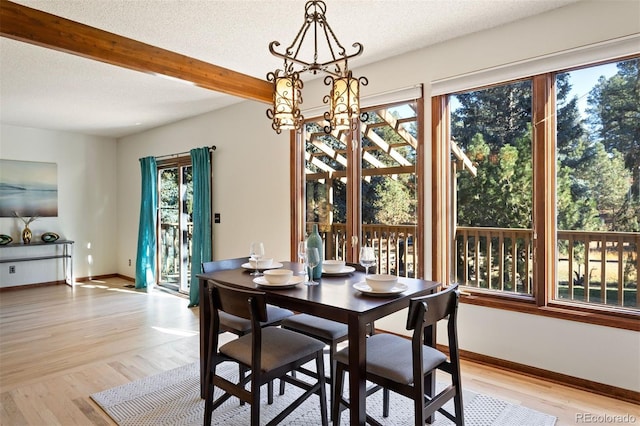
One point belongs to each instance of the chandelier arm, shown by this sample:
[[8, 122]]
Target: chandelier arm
[[345, 58], [342, 50], [297, 42]]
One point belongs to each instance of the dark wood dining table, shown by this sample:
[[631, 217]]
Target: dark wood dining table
[[334, 298]]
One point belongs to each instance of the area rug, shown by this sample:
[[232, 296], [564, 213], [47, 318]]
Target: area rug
[[173, 398]]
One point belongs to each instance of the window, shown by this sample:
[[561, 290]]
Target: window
[[597, 156], [365, 190], [491, 147], [544, 185]]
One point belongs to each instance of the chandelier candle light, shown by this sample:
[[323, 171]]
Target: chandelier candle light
[[344, 97]]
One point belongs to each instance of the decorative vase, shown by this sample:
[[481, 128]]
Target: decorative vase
[[315, 240], [26, 235]]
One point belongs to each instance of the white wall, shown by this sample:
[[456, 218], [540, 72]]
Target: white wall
[[250, 174], [86, 203]]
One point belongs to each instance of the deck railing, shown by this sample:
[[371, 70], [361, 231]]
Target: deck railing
[[502, 259], [394, 245]]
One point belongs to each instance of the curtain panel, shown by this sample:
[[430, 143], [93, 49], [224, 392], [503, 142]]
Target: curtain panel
[[201, 239], [146, 253]]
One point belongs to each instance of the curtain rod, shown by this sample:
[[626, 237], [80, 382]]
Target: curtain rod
[[211, 148]]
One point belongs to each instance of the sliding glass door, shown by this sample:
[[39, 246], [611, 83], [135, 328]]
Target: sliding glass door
[[175, 224]]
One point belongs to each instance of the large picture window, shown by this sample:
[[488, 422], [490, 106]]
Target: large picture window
[[544, 188], [362, 188]]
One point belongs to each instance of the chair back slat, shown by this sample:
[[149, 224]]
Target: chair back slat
[[428, 310], [224, 264], [238, 302]]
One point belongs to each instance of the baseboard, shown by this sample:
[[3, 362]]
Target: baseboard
[[95, 278], [552, 376], [124, 277], [77, 280], [24, 286]]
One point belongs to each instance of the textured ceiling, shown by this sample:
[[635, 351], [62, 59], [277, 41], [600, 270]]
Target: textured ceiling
[[54, 90]]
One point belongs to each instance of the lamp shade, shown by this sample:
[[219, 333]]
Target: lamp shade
[[286, 99], [345, 101]]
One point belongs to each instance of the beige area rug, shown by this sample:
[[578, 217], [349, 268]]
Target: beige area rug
[[173, 398]]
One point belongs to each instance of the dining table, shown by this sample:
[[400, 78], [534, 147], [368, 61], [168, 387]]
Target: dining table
[[339, 297]]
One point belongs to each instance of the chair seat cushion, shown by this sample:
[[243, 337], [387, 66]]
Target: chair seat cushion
[[241, 325], [390, 356], [279, 347], [314, 326]]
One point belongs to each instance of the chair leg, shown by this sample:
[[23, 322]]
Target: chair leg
[[457, 403], [322, 394], [255, 404], [336, 400], [242, 372], [385, 402], [332, 370], [208, 402], [270, 392]]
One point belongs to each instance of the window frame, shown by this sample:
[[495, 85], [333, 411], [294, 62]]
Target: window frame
[[544, 216], [354, 174]]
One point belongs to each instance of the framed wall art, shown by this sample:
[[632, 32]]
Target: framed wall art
[[28, 188]]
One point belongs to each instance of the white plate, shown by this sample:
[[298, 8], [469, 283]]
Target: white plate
[[274, 265], [294, 281], [364, 288], [346, 270]]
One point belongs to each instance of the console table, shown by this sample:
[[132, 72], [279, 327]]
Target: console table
[[66, 255]]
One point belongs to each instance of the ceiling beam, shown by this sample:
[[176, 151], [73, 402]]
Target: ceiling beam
[[53, 32]]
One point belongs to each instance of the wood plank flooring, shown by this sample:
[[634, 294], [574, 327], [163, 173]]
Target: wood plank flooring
[[59, 345]]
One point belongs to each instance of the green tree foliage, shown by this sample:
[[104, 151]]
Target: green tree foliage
[[614, 115], [500, 194], [493, 128], [396, 205], [500, 114]]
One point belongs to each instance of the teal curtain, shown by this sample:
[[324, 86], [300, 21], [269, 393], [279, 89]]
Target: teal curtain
[[201, 239], [146, 255]]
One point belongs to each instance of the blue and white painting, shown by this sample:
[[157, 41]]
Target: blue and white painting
[[28, 188]]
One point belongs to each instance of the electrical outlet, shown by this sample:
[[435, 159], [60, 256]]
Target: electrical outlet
[[129, 262], [12, 269]]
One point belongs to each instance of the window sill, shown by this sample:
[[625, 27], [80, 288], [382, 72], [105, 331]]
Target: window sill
[[524, 304]]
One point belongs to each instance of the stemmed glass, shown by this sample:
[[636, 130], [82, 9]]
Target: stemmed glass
[[256, 252], [367, 258], [312, 259], [302, 256]]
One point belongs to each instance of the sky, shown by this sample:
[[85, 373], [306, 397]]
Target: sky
[[583, 80]]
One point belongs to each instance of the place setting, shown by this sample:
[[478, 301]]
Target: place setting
[[336, 268], [257, 261], [378, 285], [278, 278]]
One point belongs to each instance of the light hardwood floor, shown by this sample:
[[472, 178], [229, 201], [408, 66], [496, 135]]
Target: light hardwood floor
[[59, 345]]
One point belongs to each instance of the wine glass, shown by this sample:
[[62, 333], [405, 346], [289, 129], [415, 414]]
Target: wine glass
[[256, 252], [367, 258], [302, 252], [312, 259]]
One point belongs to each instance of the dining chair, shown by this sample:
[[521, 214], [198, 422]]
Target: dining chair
[[405, 365], [241, 326], [332, 333], [267, 352]]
